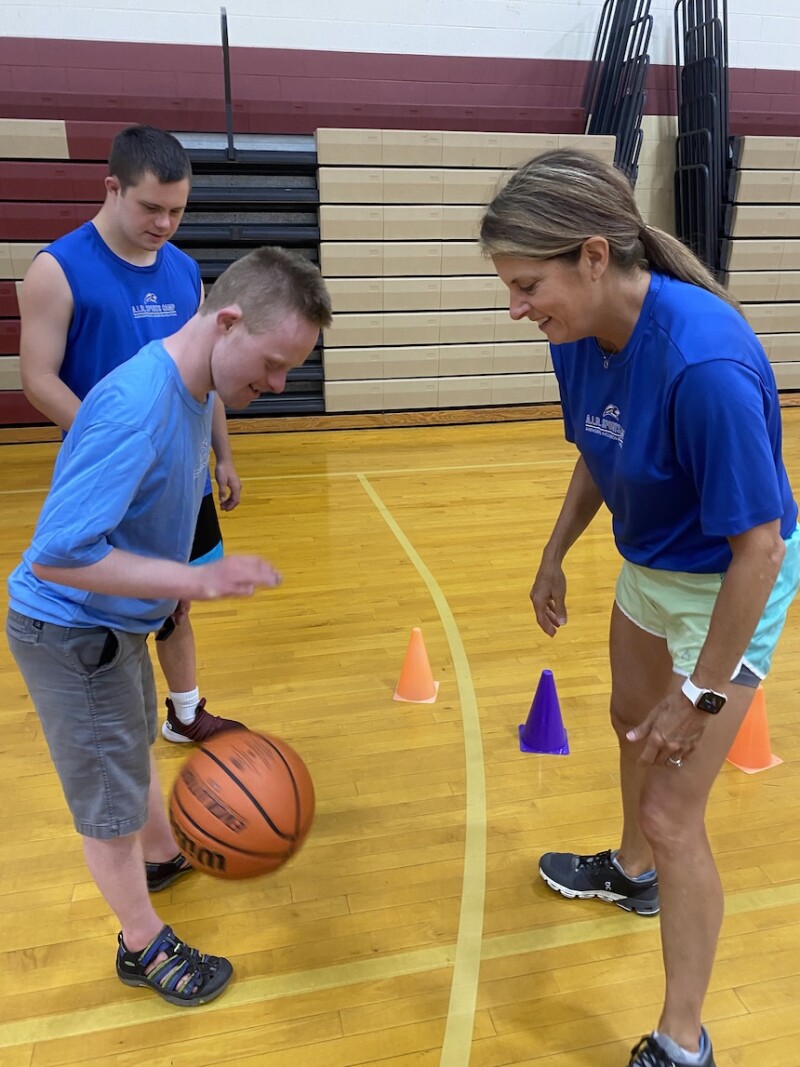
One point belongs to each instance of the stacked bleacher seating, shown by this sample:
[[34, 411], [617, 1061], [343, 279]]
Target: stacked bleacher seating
[[762, 250], [421, 320]]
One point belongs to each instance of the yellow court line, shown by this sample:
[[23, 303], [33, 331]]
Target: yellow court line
[[457, 1042], [147, 1008]]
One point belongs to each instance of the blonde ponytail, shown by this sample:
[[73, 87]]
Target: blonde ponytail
[[667, 255]]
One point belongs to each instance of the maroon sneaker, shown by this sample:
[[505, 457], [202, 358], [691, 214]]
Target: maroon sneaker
[[204, 726]]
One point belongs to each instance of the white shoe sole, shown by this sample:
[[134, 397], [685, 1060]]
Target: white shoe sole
[[599, 894], [170, 735]]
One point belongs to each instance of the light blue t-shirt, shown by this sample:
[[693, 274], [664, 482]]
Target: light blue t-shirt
[[138, 445], [681, 430]]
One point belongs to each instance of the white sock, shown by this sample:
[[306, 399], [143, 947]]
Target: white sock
[[679, 1053], [185, 705]]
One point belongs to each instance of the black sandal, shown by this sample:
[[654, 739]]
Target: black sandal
[[161, 875], [187, 977]]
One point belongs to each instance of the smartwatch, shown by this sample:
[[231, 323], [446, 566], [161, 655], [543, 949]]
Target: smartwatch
[[704, 699]]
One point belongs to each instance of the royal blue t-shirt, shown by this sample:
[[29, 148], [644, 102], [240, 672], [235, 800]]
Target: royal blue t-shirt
[[681, 430], [138, 444]]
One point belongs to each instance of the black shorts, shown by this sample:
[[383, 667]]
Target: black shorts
[[207, 546], [207, 534]]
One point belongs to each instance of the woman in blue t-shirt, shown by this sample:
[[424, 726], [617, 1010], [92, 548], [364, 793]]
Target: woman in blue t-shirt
[[672, 404]]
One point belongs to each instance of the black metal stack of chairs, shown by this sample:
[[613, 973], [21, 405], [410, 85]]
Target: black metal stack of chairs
[[614, 96], [703, 150]]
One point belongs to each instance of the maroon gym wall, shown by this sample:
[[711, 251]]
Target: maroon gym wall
[[97, 87], [180, 87]]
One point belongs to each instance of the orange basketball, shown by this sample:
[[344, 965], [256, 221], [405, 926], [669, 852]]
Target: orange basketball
[[241, 805]]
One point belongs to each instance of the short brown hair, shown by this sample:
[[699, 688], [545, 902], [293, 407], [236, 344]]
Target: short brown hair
[[268, 283], [140, 150]]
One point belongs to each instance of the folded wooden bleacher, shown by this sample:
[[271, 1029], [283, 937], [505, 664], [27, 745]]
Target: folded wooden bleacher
[[762, 249], [421, 320]]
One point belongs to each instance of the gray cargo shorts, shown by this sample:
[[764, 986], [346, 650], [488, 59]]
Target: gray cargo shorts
[[94, 693]]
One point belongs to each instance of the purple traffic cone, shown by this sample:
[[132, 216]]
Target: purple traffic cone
[[544, 731]]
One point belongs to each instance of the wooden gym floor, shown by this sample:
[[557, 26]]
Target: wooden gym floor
[[412, 930]]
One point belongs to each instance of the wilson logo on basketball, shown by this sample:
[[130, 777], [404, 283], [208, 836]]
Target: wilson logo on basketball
[[213, 862], [212, 803]]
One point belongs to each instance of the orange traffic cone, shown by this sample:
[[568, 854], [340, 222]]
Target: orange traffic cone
[[751, 751], [416, 685]]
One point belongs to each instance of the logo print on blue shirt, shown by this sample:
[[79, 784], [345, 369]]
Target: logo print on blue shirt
[[607, 424], [201, 467], [150, 308]]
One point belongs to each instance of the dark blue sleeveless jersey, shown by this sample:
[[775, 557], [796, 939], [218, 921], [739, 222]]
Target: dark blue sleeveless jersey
[[119, 307], [681, 430]]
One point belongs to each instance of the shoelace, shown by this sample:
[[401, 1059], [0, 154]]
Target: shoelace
[[602, 859], [648, 1053], [185, 966]]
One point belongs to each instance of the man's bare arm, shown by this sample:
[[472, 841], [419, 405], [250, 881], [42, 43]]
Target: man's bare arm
[[46, 309]]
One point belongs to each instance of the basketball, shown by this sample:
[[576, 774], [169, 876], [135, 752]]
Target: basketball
[[242, 805]]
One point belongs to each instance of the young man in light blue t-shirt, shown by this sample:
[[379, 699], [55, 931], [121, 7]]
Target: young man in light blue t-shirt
[[89, 302], [108, 563]]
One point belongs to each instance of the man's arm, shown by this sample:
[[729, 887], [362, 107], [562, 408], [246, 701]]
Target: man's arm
[[229, 482], [230, 485], [46, 309], [121, 573]]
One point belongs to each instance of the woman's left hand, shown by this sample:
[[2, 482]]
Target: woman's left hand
[[671, 732]]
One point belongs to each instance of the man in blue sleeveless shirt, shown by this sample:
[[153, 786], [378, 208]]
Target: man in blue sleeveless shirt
[[108, 563], [89, 303]]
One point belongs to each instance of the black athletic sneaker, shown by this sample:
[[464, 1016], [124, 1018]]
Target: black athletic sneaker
[[161, 875], [598, 876], [649, 1053]]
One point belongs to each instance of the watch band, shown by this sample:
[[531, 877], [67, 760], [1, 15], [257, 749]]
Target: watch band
[[691, 691], [704, 699]]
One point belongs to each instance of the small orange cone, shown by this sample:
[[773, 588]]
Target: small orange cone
[[751, 751], [416, 685]]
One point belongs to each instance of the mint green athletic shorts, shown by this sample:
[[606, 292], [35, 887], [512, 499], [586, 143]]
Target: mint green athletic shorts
[[677, 606]]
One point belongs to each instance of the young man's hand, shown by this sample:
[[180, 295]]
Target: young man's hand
[[235, 576]]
